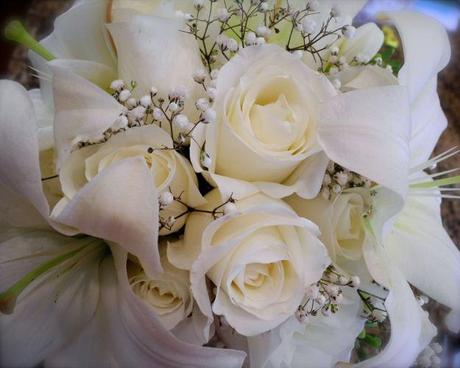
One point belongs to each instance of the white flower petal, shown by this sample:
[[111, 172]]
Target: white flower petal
[[19, 161], [411, 330], [152, 50], [125, 330], [56, 305], [426, 48], [419, 232], [120, 205], [361, 128], [81, 109]]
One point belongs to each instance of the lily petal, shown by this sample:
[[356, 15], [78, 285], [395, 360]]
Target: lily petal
[[418, 232], [57, 304], [132, 333], [19, 160], [362, 127], [120, 205], [426, 48], [151, 51], [81, 110]]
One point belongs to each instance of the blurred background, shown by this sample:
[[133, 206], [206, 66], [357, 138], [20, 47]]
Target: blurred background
[[38, 17]]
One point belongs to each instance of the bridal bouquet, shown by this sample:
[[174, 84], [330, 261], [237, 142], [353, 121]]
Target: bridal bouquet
[[218, 183]]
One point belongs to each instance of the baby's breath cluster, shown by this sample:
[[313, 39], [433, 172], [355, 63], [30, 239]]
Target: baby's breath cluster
[[373, 305], [221, 32], [166, 199], [326, 295], [152, 108], [430, 357], [337, 179]]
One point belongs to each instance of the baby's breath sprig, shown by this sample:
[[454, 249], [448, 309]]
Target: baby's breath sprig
[[167, 198], [337, 179], [326, 295]]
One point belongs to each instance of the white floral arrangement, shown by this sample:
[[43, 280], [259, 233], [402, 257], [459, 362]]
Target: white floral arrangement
[[225, 183]]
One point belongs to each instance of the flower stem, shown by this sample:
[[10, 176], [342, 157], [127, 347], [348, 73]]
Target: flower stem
[[16, 32]]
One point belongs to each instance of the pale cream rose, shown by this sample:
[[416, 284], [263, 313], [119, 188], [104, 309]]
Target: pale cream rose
[[340, 220], [267, 107], [167, 293], [260, 257], [171, 173]]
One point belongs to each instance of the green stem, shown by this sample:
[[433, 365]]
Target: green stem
[[16, 32]]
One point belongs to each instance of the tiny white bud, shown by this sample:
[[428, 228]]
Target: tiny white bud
[[187, 16], [320, 300], [124, 95], [348, 31], [117, 85], [212, 93], [120, 123], [338, 298], [361, 58], [308, 25], [206, 161], [355, 281], [332, 290], [173, 107], [157, 113], [223, 14], [153, 91], [146, 101], [180, 92], [221, 40], [333, 59], [326, 312], [212, 83], [198, 4], [262, 31], [263, 6], [343, 280], [260, 41], [232, 45], [202, 104], [209, 116], [132, 102], [199, 76], [341, 177], [181, 121], [301, 316], [334, 50], [250, 38], [337, 189], [137, 113], [165, 199], [230, 208]]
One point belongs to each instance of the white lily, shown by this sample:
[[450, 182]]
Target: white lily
[[404, 228], [84, 309]]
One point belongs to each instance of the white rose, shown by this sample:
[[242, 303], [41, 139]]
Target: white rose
[[260, 258], [167, 293], [339, 220], [170, 171], [267, 105]]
